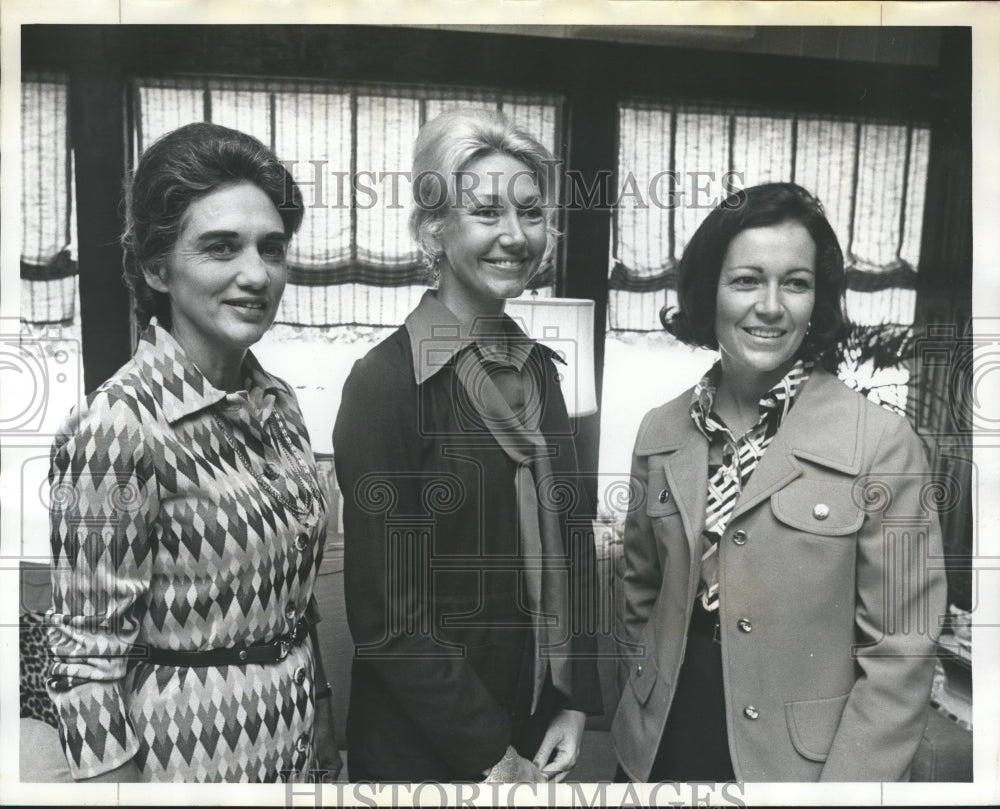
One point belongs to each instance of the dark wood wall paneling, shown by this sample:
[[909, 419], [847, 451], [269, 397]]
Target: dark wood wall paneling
[[588, 237], [593, 76], [944, 307], [99, 147], [368, 53], [945, 275]]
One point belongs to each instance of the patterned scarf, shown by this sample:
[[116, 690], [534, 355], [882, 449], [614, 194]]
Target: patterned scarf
[[739, 459]]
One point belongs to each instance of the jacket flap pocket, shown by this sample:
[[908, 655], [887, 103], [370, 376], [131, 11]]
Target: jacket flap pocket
[[818, 506], [812, 724], [660, 501], [642, 677]]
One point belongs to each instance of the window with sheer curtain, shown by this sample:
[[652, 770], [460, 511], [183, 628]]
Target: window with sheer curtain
[[353, 262], [676, 161], [869, 175], [48, 250]]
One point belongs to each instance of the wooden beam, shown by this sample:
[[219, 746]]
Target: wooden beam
[[394, 54], [944, 301], [97, 132], [946, 237], [591, 161]]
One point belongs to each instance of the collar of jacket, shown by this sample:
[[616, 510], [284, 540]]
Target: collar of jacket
[[177, 384], [771, 407], [824, 427], [437, 335]]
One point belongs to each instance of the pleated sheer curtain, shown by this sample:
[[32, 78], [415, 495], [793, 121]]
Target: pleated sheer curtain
[[48, 226], [870, 177], [353, 262], [676, 161]]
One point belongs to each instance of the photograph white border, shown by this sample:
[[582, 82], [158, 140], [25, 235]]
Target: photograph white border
[[984, 18]]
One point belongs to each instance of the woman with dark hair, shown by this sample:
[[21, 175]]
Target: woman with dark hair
[[187, 518], [456, 460], [780, 624]]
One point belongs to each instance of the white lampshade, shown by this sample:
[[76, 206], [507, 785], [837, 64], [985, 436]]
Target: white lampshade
[[566, 325]]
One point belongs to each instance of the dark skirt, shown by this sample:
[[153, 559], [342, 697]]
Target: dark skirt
[[695, 741], [515, 666]]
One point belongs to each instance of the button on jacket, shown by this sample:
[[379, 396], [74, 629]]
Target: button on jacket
[[435, 588], [833, 543], [162, 538]]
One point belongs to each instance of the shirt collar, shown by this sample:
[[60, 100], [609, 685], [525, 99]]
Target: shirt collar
[[179, 386], [773, 404], [437, 335]]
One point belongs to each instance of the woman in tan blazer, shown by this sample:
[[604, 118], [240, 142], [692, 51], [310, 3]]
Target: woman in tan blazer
[[783, 580]]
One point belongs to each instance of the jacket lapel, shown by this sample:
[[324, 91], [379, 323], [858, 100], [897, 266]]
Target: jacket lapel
[[823, 427], [675, 446], [690, 487]]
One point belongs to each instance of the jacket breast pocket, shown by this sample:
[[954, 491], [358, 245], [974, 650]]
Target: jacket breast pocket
[[824, 508]]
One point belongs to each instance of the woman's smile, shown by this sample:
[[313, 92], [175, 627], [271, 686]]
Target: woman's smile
[[249, 307], [765, 334], [512, 264]]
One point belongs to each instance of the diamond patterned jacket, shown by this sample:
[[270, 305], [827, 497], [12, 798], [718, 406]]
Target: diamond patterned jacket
[[161, 537]]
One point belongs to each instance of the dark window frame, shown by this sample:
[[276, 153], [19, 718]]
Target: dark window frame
[[593, 77]]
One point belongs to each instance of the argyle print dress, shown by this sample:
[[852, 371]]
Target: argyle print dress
[[162, 538]]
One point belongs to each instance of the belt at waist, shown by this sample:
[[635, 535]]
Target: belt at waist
[[268, 652], [704, 622]]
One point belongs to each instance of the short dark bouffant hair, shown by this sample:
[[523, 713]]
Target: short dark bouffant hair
[[701, 265], [178, 169]]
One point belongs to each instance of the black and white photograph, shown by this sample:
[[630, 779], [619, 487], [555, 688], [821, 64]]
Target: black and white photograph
[[548, 404]]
